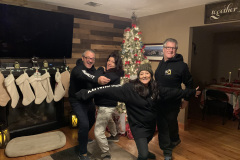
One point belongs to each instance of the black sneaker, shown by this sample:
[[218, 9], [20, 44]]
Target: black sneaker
[[151, 155], [174, 144], [167, 158], [113, 138], [106, 156], [83, 157]]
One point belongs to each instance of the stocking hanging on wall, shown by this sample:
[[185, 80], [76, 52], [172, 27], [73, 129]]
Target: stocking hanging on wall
[[47, 86], [65, 78], [12, 89], [39, 91], [4, 96], [23, 83], [59, 91]]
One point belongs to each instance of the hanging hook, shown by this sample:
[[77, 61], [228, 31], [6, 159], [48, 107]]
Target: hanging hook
[[10, 71]]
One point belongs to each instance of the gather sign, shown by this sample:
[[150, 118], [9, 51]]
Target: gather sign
[[222, 11]]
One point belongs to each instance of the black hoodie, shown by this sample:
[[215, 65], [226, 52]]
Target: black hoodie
[[114, 77], [81, 78], [173, 72]]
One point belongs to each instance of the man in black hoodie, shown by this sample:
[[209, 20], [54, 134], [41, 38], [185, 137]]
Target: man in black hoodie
[[171, 72], [82, 77]]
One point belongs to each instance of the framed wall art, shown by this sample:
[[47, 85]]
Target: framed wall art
[[154, 51]]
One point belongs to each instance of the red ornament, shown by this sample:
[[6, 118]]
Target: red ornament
[[143, 47], [135, 39], [133, 25], [141, 50], [127, 62], [135, 55], [138, 62], [145, 57], [127, 30], [139, 33], [127, 75], [123, 41]]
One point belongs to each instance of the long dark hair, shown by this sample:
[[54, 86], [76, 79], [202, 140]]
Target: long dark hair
[[146, 91], [118, 62]]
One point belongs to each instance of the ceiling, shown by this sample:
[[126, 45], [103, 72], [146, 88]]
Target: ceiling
[[125, 8]]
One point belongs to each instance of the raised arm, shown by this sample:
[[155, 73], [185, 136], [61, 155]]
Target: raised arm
[[113, 92]]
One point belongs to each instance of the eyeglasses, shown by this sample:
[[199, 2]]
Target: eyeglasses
[[88, 58], [168, 48]]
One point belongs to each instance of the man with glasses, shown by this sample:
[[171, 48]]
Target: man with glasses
[[82, 77], [171, 72]]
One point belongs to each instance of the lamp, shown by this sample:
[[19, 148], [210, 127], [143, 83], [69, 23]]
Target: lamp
[[4, 136], [73, 120]]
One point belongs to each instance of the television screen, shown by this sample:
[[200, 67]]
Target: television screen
[[27, 33]]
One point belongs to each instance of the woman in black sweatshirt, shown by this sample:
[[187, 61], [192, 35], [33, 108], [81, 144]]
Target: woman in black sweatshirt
[[139, 97]]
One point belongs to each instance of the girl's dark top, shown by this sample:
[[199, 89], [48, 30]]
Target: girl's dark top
[[114, 77], [139, 110]]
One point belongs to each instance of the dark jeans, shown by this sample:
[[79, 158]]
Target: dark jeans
[[167, 127], [86, 119], [142, 146]]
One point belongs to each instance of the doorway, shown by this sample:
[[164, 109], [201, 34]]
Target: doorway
[[215, 53]]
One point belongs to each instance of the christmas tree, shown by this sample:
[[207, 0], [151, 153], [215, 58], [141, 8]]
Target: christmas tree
[[132, 50]]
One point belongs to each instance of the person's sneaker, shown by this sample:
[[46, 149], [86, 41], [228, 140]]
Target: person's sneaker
[[83, 157], [90, 141], [151, 155], [113, 138], [106, 156], [174, 144], [167, 158]]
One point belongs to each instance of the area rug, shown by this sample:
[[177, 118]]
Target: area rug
[[71, 154]]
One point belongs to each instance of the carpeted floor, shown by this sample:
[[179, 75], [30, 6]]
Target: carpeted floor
[[71, 154]]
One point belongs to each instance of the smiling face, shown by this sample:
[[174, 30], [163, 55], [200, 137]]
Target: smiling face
[[169, 50], [111, 63], [88, 59], [145, 77]]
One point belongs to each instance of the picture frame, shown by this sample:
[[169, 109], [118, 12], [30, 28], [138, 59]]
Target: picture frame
[[154, 51]]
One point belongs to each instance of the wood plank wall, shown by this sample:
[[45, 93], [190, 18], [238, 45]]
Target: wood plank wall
[[100, 32]]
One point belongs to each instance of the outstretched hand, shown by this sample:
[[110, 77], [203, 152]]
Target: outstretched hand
[[197, 92]]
